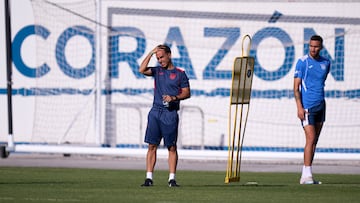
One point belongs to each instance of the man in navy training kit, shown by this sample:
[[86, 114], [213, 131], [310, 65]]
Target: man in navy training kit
[[171, 86], [309, 81]]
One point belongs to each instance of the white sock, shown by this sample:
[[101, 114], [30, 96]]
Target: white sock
[[149, 175], [306, 172], [172, 176]]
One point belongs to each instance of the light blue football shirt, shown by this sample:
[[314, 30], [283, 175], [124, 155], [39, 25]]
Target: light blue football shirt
[[313, 73]]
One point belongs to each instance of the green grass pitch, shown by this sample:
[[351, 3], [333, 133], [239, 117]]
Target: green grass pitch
[[23, 184]]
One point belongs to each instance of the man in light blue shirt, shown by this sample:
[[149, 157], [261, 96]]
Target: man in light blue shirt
[[309, 81]]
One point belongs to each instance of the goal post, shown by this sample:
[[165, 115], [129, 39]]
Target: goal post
[[4, 149]]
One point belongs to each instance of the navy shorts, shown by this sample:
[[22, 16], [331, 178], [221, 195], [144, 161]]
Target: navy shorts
[[315, 114], [162, 123]]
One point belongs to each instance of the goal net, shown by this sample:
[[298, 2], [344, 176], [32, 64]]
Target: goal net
[[205, 37], [65, 85]]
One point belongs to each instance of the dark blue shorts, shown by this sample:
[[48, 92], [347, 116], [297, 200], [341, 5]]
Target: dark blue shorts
[[162, 123], [315, 114]]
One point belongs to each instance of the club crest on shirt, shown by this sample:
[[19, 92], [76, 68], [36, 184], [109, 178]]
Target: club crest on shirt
[[172, 76], [323, 66]]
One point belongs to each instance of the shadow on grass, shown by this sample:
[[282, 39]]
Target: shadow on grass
[[239, 185]]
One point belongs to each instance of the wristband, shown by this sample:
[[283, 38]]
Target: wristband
[[176, 98]]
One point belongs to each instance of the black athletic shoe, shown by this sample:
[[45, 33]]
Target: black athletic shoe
[[172, 183], [148, 182]]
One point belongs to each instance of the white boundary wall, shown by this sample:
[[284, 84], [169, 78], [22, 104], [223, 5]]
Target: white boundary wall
[[183, 154]]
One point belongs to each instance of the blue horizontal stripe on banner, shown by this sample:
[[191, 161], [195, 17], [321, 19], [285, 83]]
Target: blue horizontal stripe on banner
[[222, 92]]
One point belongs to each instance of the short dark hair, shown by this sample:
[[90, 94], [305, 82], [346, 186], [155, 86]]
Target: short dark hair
[[165, 47], [317, 38]]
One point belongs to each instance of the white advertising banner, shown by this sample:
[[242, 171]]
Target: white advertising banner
[[60, 48]]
